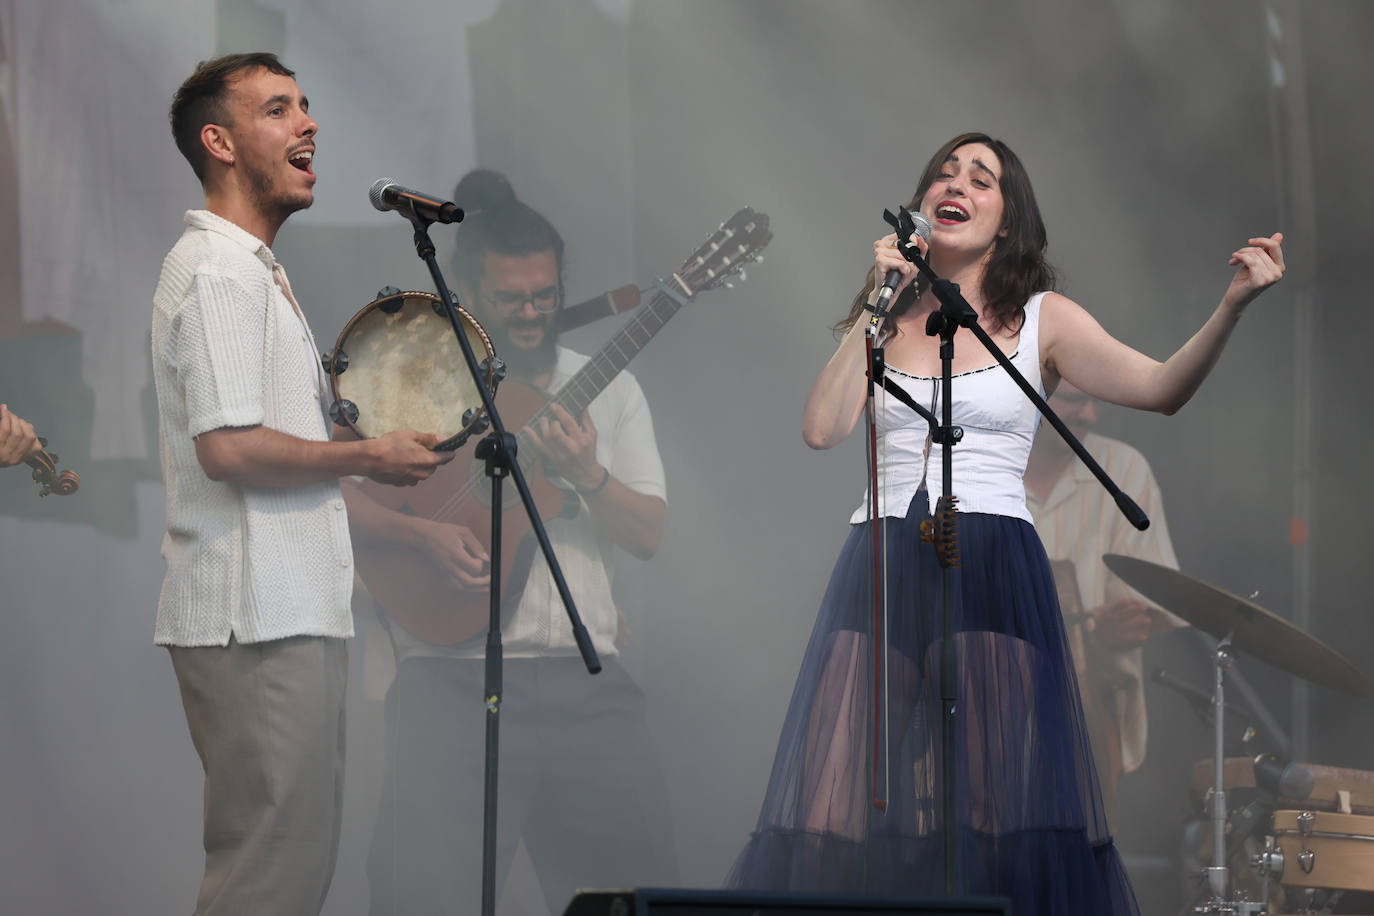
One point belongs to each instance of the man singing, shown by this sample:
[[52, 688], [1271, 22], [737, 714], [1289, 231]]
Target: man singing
[[255, 604]]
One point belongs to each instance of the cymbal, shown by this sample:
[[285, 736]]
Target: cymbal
[[1254, 630]]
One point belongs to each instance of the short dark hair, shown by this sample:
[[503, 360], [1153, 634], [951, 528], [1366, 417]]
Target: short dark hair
[[201, 99], [497, 222]]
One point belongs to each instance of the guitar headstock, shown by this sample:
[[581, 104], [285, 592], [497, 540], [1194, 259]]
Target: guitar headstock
[[730, 249]]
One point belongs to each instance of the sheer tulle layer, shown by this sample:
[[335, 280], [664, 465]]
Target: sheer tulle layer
[[1030, 819], [1041, 871]]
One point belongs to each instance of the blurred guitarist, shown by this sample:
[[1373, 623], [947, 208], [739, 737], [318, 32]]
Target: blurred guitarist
[[17, 439], [1107, 622], [579, 783]]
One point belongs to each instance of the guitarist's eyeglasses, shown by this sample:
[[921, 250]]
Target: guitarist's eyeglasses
[[544, 300]]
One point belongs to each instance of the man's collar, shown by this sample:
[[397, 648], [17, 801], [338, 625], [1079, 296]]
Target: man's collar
[[213, 222], [1077, 467], [1073, 477]]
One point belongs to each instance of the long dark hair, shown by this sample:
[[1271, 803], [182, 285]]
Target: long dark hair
[[1017, 269]]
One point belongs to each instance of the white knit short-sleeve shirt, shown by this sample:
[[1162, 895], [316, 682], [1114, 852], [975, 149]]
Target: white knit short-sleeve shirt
[[230, 350]]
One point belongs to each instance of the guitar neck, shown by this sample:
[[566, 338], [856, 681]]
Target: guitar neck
[[593, 377]]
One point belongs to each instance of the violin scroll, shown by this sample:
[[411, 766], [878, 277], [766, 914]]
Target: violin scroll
[[46, 475]]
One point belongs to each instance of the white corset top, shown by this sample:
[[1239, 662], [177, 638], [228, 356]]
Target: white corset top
[[999, 424]]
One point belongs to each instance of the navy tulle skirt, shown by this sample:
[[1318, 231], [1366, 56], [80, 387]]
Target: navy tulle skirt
[[1031, 825]]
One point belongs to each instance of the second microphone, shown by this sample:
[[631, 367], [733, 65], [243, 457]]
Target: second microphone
[[386, 194]]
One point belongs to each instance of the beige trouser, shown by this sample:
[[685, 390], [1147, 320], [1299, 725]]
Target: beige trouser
[[267, 720]]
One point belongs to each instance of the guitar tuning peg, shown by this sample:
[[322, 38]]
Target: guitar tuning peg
[[743, 275]]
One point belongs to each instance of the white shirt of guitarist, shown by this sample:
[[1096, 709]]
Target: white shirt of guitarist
[[626, 447]]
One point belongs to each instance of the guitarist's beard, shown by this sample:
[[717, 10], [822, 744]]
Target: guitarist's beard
[[526, 363]]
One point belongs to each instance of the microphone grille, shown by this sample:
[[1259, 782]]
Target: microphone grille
[[1296, 781], [381, 184], [922, 225]]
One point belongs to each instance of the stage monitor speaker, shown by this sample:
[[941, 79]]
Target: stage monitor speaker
[[656, 901]]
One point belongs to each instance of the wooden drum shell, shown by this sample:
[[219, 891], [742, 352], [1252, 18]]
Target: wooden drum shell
[[1326, 849]]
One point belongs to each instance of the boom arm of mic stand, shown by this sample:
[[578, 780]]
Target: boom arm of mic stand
[[955, 308], [425, 249], [900, 394]]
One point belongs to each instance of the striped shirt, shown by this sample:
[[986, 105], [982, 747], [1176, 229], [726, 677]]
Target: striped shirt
[[231, 349], [1080, 522]]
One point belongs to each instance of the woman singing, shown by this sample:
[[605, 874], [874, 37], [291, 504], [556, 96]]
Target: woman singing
[[1030, 822]]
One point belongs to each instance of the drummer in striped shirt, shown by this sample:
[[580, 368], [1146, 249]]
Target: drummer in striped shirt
[[1107, 622]]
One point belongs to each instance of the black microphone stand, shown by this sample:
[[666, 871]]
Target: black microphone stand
[[876, 372], [498, 450], [954, 313]]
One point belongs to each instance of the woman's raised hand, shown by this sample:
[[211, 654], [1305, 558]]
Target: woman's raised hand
[[1260, 266], [886, 256]]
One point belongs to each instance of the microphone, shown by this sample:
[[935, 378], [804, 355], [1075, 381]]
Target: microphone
[[1289, 780], [387, 195], [1276, 779], [921, 227]]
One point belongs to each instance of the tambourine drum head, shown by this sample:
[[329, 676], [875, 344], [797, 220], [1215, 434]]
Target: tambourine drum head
[[406, 370]]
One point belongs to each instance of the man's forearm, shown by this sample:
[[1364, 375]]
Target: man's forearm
[[368, 518], [259, 456], [633, 520]]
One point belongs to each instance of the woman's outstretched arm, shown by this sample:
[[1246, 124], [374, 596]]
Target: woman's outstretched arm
[[1075, 347]]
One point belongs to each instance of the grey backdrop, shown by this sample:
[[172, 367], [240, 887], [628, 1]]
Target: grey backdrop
[[1159, 136]]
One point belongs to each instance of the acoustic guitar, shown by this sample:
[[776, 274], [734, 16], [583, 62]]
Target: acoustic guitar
[[411, 587]]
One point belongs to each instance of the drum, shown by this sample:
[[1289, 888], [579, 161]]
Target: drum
[[1326, 849], [1329, 784], [397, 365]]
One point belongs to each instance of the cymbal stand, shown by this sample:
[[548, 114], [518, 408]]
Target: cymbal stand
[[1217, 873]]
